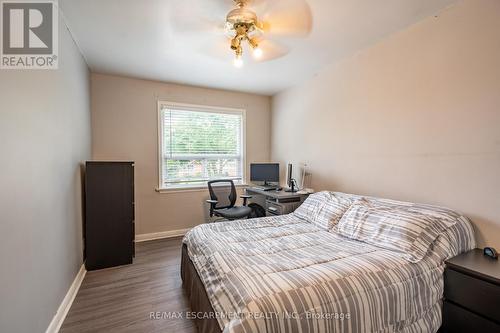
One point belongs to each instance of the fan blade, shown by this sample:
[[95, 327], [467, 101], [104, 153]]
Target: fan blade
[[217, 47], [271, 50], [188, 16], [284, 17]]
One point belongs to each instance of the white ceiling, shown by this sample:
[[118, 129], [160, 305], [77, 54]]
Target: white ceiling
[[146, 39]]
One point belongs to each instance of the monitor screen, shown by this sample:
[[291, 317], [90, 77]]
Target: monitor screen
[[265, 172]]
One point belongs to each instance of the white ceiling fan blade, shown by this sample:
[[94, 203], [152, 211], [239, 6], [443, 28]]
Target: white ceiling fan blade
[[188, 16], [271, 50], [217, 47], [285, 17]]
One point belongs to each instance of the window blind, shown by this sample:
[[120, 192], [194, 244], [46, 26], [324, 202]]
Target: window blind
[[198, 146]]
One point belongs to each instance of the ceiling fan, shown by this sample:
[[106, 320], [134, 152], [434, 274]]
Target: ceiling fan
[[262, 25], [242, 25]]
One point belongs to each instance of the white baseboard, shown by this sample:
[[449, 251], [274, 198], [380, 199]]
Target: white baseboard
[[66, 303], [160, 235]]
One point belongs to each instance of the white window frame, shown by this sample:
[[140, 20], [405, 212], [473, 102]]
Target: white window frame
[[199, 108]]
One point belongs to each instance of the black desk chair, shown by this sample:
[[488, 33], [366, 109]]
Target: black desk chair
[[222, 199]]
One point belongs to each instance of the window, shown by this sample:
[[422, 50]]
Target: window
[[198, 144]]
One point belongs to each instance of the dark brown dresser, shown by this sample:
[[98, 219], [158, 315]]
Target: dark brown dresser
[[471, 294], [109, 214]]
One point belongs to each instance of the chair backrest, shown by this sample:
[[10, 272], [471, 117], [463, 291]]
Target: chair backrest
[[224, 192]]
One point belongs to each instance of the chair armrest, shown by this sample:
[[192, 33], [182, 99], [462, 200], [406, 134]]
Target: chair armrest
[[212, 206], [245, 197]]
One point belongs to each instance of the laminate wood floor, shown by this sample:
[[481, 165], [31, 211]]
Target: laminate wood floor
[[121, 299]]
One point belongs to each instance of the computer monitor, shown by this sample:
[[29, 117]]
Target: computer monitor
[[290, 181], [265, 172]]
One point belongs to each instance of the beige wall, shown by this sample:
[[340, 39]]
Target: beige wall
[[125, 126], [415, 117], [44, 138]]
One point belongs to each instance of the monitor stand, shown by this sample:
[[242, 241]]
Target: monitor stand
[[292, 188]]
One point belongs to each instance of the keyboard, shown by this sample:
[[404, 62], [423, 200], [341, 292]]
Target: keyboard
[[267, 188]]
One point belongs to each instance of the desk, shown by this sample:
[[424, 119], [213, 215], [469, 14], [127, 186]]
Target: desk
[[274, 202]]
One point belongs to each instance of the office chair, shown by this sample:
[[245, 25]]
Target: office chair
[[222, 200]]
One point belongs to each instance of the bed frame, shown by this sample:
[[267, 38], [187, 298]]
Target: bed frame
[[198, 298]]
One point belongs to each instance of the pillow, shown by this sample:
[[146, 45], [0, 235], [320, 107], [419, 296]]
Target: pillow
[[397, 228], [324, 209]]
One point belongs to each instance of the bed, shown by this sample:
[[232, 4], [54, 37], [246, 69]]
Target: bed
[[340, 263]]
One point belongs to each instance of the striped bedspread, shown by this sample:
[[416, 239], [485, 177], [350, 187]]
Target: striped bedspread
[[285, 274]]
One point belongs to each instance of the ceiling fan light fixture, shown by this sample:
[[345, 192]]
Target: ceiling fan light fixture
[[238, 60], [254, 43], [257, 52], [235, 43]]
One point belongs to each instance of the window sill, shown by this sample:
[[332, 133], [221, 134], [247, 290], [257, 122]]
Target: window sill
[[184, 189]]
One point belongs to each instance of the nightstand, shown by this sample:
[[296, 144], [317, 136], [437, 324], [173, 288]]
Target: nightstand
[[471, 294]]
